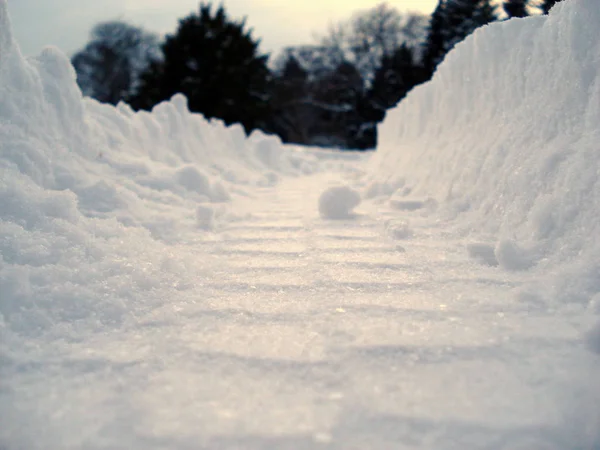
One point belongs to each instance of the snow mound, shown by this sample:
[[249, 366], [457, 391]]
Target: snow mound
[[530, 178], [119, 164], [338, 202], [93, 197]]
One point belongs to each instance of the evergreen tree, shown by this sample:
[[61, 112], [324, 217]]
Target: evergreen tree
[[451, 22], [436, 38], [292, 118], [215, 63], [396, 76], [515, 8], [547, 5], [336, 99]]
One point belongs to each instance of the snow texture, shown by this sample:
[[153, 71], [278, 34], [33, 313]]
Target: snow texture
[[168, 282]]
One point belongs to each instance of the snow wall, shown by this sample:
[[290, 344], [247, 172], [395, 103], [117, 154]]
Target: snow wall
[[504, 143], [94, 198]]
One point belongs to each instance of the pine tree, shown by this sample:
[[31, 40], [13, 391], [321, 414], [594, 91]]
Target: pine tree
[[215, 63], [465, 16], [436, 38], [515, 8], [292, 118], [336, 98], [451, 22], [396, 76]]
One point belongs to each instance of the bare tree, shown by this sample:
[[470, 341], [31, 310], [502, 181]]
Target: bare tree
[[109, 66], [373, 34]]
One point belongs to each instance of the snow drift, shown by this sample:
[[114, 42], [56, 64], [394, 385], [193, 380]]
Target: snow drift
[[505, 142], [90, 194]]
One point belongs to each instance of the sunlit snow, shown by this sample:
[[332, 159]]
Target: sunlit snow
[[168, 283]]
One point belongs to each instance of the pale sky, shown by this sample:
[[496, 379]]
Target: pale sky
[[279, 23]]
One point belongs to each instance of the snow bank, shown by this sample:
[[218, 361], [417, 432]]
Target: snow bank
[[113, 159], [93, 197], [505, 141]]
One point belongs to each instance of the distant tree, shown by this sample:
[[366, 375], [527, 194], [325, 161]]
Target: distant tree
[[216, 64], [316, 60], [109, 67], [293, 117], [451, 22], [372, 34], [396, 76], [436, 46], [316, 102], [515, 8], [547, 5], [336, 99]]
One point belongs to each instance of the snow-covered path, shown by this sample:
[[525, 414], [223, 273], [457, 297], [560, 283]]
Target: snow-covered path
[[330, 332], [312, 333], [167, 282]]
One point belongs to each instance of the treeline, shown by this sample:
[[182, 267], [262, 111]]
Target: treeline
[[332, 93]]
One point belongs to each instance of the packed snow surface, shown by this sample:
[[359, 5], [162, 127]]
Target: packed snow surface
[[168, 283]]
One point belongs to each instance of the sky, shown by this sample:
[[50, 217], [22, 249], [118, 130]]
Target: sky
[[278, 23]]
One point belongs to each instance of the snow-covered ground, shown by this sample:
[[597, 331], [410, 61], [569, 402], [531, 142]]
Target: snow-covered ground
[[166, 283]]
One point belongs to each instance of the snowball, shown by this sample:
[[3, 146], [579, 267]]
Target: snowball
[[338, 202]]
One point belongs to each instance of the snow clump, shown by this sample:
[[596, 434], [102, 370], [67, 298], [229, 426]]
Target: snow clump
[[338, 202]]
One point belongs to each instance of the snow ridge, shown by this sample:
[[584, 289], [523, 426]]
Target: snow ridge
[[504, 140]]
